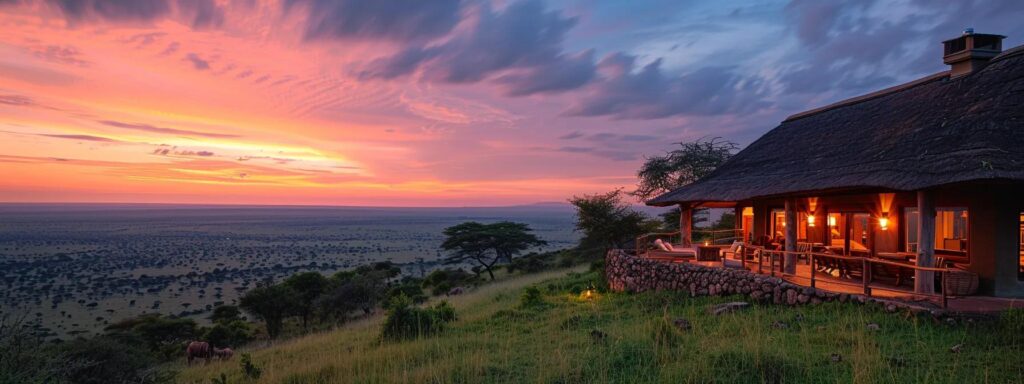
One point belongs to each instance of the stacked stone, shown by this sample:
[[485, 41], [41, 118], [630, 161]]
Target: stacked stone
[[628, 273]]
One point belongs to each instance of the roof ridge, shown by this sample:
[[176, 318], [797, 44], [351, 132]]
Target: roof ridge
[[869, 96], [1008, 53]]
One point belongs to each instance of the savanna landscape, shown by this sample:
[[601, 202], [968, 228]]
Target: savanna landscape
[[511, 191]]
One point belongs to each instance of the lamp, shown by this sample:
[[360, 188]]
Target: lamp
[[810, 220], [589, 294], [883, 223], [831, 221]]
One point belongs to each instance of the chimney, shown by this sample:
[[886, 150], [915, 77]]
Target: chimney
[[970, 52]]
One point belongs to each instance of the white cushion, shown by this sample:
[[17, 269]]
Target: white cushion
[[661, 245]]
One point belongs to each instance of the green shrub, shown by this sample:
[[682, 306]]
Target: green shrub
[[409, 288], [443, 280], [404, 321], [233, 334], [250, 369], [532, 298]]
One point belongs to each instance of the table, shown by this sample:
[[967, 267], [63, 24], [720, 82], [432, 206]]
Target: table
[[708, 253]]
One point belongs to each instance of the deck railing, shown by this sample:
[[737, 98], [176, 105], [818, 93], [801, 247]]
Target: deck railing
[[867, 265], [643, 243], [717, 236], [698, 236], [846, 264]]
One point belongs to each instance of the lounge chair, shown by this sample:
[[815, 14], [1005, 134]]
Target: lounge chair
[[664, 251], [734, 251]]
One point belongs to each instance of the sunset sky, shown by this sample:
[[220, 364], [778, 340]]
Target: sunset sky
[[423, 103]]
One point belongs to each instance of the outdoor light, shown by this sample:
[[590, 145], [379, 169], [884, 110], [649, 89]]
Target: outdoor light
[[706, 243], [883, 222], [588, 294], [810, 220], [831, 221]]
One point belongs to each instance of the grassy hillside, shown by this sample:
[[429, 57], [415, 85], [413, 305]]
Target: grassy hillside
[[632, 338]]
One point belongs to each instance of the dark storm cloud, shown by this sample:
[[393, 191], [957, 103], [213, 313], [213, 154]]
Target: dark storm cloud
[[173, 131], [524, 39], [560, 74], [650, 93], [848, 49], [398, 20], [611, 154], [202, 13], [197, 62], [197, 13], [114, 10], [571, 135], [606, 137]]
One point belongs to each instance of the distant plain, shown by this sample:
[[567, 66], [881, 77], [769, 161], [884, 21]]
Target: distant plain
[[70, 269]]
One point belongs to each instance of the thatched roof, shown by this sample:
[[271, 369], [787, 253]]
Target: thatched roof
[[929, 132]]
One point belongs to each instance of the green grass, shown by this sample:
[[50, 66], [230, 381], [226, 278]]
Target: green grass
[[496, 339]]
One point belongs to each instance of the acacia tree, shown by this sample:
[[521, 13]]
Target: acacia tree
[[272, 304], [606, 219], [308, 286], [487, 244], [676, 168]]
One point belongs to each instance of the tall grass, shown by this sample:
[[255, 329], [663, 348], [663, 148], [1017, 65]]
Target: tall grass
[[626, 338]]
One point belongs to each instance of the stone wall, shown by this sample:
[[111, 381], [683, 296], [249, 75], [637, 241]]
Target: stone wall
[[628, 273]]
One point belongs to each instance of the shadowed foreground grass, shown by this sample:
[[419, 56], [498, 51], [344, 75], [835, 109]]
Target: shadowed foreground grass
[[625, 338]]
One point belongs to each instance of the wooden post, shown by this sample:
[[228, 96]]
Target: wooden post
[[789, 260], [685, 225], [924, 281], [811, 257], [866, 277]]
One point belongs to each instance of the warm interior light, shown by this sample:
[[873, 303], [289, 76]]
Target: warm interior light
[[883, 222], [706, 243], [831, 221], [810, 220]]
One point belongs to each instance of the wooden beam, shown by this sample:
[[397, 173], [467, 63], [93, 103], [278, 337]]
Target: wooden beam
[[924, 281], [791, 223], [685, 225]]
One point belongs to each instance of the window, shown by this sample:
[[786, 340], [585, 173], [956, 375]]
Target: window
[[951, 229], [1020, 250], [779, 225], [747, 223], [860, 229], [836, 229]]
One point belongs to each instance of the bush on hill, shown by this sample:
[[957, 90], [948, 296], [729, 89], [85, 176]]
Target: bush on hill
[[405, 321]]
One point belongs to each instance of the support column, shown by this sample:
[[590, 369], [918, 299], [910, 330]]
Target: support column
[[685, 225], [924, 281], [791, 223]]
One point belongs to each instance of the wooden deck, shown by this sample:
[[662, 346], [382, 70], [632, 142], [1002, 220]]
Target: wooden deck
[[971, 304]]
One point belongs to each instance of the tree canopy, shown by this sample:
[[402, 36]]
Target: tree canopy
[[487, 244], [272, 304], [684, 165], [607, 220]]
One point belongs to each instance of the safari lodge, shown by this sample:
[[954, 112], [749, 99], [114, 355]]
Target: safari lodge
[[912, 191]]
